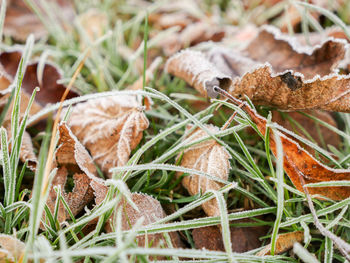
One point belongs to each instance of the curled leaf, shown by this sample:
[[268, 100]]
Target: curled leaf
[[298, 162], [209, 157], [195, 69], [110, 128], [275, 70], [72, 159], [284, 242]]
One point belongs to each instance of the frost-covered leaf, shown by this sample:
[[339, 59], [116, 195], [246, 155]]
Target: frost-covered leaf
[[151, 211], [50, 90], [197, 70], [274, 70], [11, 249], [299, 163], [284, 243], [20, 21], [209, 157], [110, 128], [72, 160], [26, 153], [94, 22]]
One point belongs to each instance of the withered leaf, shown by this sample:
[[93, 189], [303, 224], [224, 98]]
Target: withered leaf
[[11, 249], [274, 70], [209, 157], [110, 128], [20, 21], [94, 23], [284, 242], [197, 70], [242, 238], [26, 153], [50, 90], [72, 158], [298, 162], [151, 210]]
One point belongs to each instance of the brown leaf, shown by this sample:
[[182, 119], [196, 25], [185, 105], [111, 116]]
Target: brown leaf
[[20, 21], [11, 249], [298, 162], [284, 242], [196, 70], [72, 158], [50, 90], [26, 153], [209, 157], [273, 70], [326, 135], [94, 23], [242, 238], [151, 210], [110, 128]]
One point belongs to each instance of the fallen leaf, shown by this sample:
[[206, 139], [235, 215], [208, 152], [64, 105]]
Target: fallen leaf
[[209, 157], [197, 70], [243, 239], [273, 70], [26, 153], [50, 90], [72, 159], [324, 135], [11, 249], [284, 242], [110, 128], [151, 211], [20, 21], [298, 162]]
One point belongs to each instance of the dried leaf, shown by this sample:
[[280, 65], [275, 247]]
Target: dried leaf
[[274, 70], [110, 128], [151, 211], [209, 157], [11, 249], [26, 153], [195, 69], [284, 243], [72, 158], [20, 21], [298, 162], [243, 239], [50, 90]]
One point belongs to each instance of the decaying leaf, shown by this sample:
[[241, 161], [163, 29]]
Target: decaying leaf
[[151, 211], [243, 239], [20, 21], [26, 153], [50, 90], [274, 70], [72, 159], [110, 128], [324, 135], [284, 243], [11, 249], [298, 162], [197, 70], [209, 157]]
